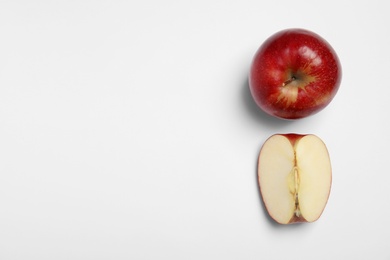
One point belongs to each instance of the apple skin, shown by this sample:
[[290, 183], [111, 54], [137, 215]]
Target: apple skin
[[294, 74]]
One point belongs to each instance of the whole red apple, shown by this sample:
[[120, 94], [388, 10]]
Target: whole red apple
[[294, 74]]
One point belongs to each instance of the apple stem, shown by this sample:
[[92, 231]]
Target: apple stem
[[289, 81]]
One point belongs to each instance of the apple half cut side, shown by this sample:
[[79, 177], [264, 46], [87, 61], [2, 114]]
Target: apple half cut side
[[295, 177]]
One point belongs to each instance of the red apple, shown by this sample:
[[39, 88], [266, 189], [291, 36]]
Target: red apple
[[294, 74]]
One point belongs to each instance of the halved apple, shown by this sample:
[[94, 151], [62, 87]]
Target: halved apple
[[295, 177]]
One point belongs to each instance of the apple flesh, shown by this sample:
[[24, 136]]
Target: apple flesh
[[295, 177], [294, 74]]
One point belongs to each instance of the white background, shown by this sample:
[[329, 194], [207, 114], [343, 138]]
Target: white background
[[127, 131]]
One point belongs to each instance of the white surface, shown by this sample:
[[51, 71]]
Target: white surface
[[127, 131]]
